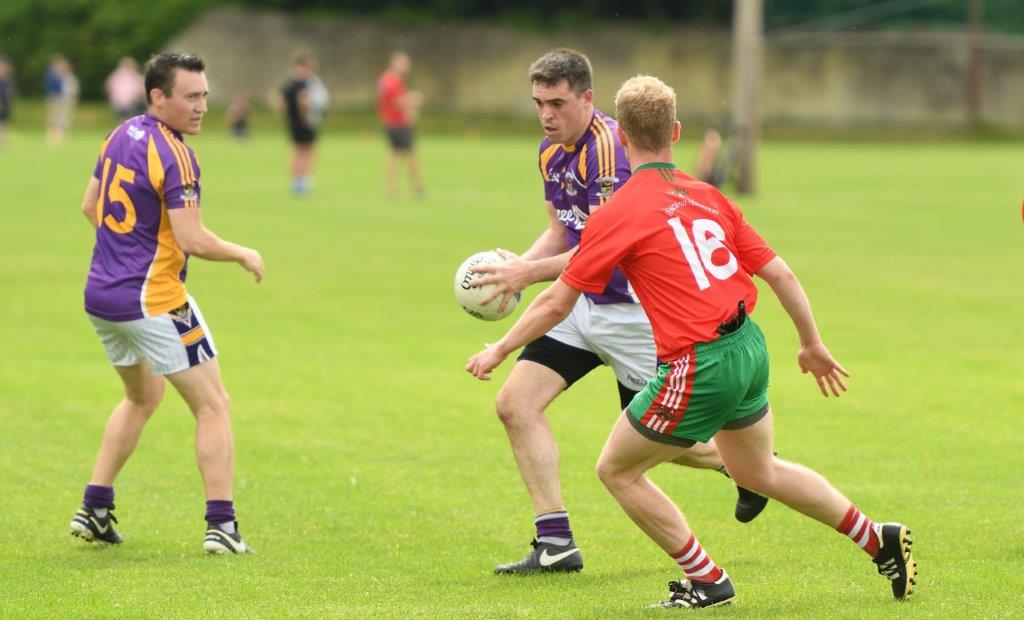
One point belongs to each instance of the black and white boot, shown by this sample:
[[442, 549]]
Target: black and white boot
[[546, 558], [220, 542], [91, 527], [699, 593], [894, 559]]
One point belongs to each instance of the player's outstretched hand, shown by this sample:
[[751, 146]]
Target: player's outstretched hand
[[816, 360], [508, 278], [481, 364], [253, 263]]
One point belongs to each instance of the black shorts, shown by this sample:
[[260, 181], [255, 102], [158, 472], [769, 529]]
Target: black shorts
[[400, 138], [302, 134], [570, 362]]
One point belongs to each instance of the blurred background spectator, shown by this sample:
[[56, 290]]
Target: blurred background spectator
[[7, 95], [126, 90], [62, 89], [238, 115]]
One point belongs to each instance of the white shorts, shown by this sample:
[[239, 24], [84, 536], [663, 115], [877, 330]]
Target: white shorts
[[619, 334], [170, 342]]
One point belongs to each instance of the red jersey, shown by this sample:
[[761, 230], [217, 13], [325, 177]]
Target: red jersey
[[390, 90], [685, 248]]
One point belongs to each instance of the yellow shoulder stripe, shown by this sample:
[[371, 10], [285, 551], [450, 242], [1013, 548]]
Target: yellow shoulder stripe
[[606, 138], [103, 145], [169, 140], [189, 175], [545, 157], [106, 141], [180, 155], [155, 167]]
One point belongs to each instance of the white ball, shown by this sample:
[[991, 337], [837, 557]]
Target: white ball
[[469, 296]]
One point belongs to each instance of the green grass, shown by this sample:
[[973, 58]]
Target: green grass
[[375, 480]]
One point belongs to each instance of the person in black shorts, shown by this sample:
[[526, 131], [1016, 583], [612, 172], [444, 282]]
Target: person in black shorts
[[400, 138], [397, 108], [299, 111], [238, 115]]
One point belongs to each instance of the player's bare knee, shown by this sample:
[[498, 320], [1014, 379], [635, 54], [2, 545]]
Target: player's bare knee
[[611, 477], [218, 406], [510, 407], [144, 401], [760, 479]]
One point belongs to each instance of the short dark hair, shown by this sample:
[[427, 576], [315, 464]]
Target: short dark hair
[[159, 70], [563, 64]]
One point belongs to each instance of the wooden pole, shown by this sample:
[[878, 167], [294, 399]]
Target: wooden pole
[[975, 14], [747, 52]]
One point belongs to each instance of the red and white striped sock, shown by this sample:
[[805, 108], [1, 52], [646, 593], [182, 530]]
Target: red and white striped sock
[[696, 563], [861, 530]]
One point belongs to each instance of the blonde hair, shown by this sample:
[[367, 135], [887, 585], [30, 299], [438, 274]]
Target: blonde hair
[[303, 56], [645, 109]]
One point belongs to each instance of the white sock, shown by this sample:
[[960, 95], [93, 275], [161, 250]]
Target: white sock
[[228, 527]]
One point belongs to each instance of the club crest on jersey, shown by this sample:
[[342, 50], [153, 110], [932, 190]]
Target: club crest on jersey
[[607, 186], [188, 192], [567, 185]]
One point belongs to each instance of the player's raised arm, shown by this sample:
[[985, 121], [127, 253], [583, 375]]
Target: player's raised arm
[[813, 357], [197, 240], [90, 200]]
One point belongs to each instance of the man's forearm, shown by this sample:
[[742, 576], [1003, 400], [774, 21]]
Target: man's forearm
[[211, 247], [548, 256], [794, 300], [549, 243], [546, 311], [548, 269]]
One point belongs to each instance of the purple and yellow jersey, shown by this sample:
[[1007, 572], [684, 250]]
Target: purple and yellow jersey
[[583, 176], [138, 269]]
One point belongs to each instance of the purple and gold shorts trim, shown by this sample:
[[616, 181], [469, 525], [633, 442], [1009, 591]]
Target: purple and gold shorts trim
[[169, 343]]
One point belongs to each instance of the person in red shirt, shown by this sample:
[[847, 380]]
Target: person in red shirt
[[397, 108], [689, 254]]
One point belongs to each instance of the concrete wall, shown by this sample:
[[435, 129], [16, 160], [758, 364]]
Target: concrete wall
[[842, 79]]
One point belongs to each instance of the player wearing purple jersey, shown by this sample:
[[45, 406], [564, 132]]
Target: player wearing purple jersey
[[143, 200], [582, 163]]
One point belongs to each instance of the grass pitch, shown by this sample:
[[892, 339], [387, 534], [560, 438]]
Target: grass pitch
[[375, 480]]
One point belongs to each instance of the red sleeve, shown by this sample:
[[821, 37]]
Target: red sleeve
[[607, 240], [753, 251]]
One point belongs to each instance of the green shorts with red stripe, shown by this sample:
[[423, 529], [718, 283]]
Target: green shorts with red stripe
[[722, 384]]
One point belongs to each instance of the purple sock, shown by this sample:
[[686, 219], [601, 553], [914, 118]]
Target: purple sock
[[220, 511], [96, 496], [554, 527]]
